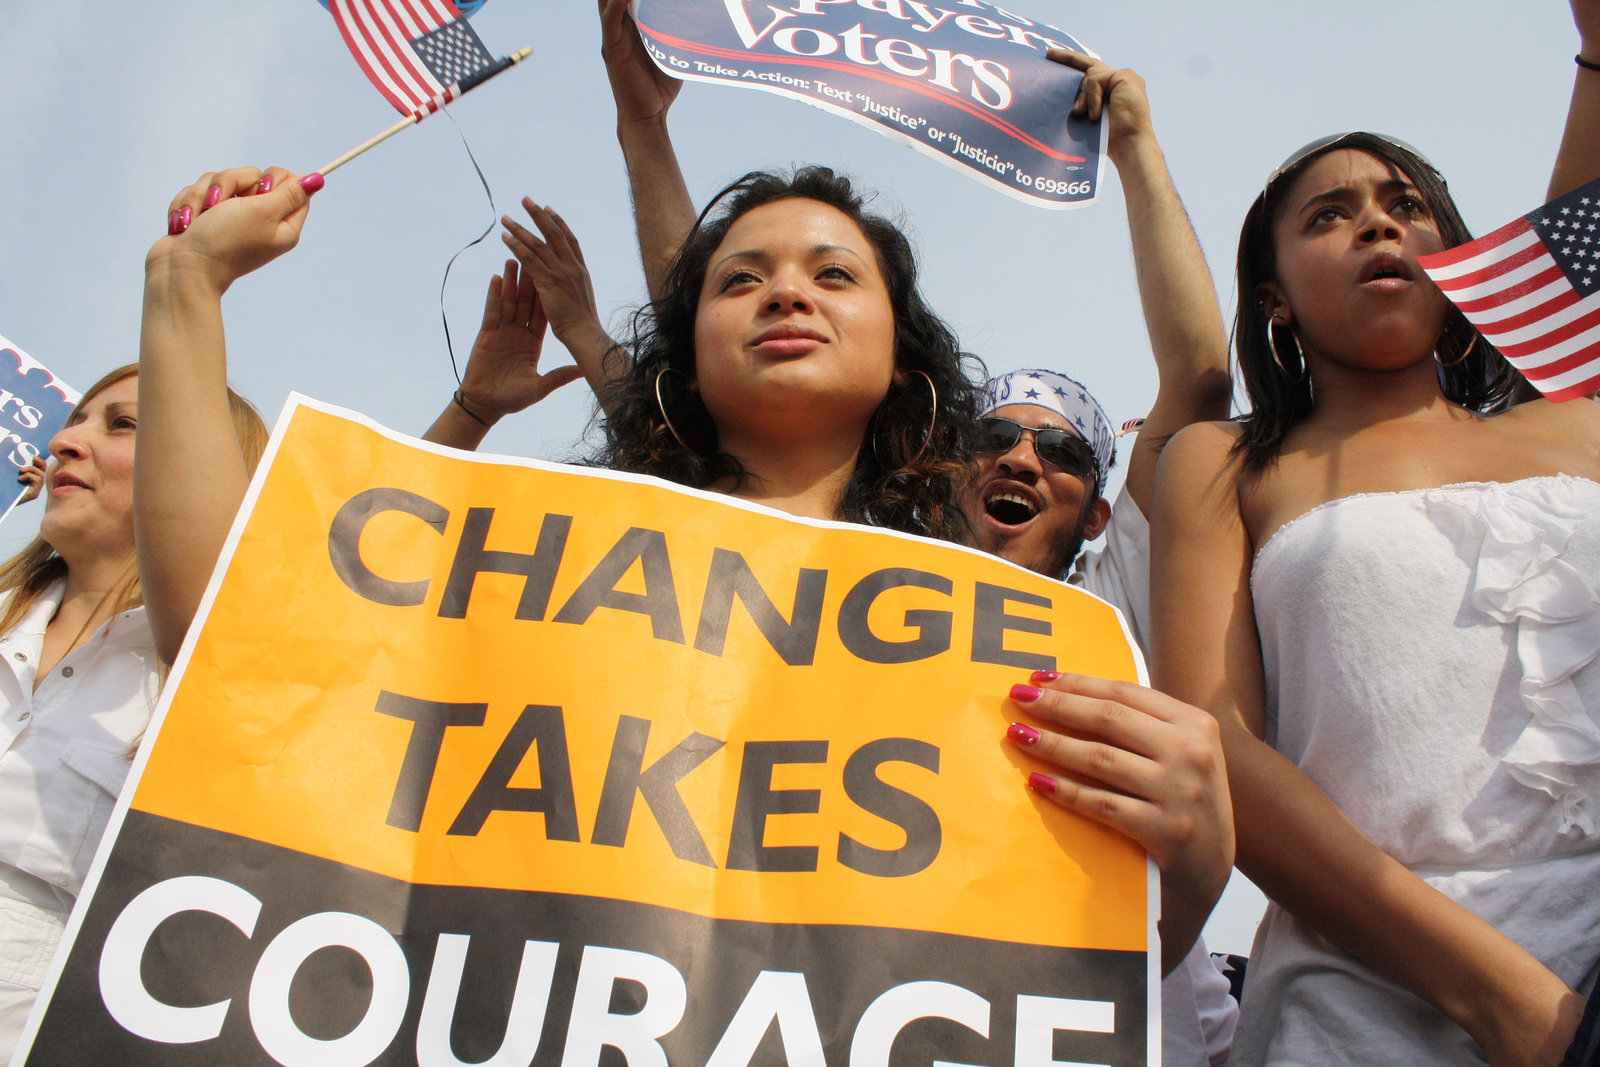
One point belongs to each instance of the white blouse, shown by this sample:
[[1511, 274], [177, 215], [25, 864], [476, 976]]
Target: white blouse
[[65, 751]]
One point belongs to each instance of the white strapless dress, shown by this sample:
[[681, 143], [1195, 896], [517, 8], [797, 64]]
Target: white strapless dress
[[1431, 662]]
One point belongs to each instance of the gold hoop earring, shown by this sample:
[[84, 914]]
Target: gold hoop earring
[[1272, 342], [933, 423], [1464, 353], [661, 405], [933, 415]]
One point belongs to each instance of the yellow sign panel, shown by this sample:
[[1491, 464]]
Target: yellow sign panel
[[480, 672], [491, 761]]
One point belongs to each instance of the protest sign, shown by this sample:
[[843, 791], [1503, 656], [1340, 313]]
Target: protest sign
[[968, 83], [34, 404], [480, 760]]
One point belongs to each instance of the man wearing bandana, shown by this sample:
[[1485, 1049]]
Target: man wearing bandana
[[1038, 494], [1044, 458]]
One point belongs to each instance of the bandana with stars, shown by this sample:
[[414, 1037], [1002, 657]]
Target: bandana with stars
[[1067, 398]]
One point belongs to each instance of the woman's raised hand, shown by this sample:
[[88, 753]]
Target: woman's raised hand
[[642, 92], [503, 374], [553, 260], [558, 272], [1118, 95], [231, 222]]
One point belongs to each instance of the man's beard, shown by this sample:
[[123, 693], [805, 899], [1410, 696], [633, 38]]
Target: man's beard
[[1065, 551], [1059, 556]]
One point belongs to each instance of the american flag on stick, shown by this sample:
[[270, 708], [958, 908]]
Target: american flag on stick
[[421, 54], [413, 51], [1533, 289]]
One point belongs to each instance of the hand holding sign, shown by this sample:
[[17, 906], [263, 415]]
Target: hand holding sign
[[785, 800], [32, 478], [34, 404], [1119, 95], [643, 91], [1148, 766]]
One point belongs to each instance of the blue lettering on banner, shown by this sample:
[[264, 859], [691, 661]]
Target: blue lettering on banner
[[966, 83], [34, 404]]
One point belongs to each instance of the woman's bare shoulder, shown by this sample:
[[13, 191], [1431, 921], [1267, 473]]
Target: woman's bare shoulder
[[1584, 412], [1203, 442], [1572, 422], [1533, 439], [1199, 463]]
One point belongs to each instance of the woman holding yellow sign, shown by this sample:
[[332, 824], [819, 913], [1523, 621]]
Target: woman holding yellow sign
[[792, 363]]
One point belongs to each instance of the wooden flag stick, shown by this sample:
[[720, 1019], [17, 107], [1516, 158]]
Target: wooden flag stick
[[328, 168], [411, 120]]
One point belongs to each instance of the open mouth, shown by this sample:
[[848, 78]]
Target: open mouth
[[1009, 509], [1386, 266]]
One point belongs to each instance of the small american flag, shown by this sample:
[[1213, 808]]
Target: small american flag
[[417, 52], [1533, 289]]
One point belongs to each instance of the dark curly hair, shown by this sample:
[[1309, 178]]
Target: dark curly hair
[[1480, 379], [903, 480]]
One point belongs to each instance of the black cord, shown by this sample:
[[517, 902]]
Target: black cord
[[494, 216]]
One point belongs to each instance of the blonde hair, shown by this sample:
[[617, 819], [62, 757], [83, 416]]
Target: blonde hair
[[33, 570]]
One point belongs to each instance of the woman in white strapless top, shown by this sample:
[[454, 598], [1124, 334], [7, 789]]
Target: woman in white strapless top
[[1385, 583]]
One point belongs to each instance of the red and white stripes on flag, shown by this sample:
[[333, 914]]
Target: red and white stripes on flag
[[385, 35], [1532, 288]]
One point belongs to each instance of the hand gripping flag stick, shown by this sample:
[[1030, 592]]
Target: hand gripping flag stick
[[465, 85]]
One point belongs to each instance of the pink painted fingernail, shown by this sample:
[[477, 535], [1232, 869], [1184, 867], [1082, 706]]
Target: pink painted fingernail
[[1022, 734], [311, 183], [265, 184], [1025, 694], [1043, 677], [1042, 783], [172, 224], [185, 216], [213, 194]]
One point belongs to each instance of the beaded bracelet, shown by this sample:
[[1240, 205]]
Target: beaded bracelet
[[469, 411]]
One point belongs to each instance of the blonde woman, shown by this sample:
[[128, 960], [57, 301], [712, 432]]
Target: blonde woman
[[81, 677]]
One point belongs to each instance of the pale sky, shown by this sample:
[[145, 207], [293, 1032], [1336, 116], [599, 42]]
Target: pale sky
[[111, 107]]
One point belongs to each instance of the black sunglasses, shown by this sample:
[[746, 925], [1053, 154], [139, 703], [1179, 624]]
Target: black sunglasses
[[1062, 449]]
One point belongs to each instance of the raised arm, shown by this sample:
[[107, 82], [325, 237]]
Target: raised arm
[[554, 259], [1290, 835], [663, 211], [1578, 160], [502, 374], [189, 472], [1181, 313], [547, 285]]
